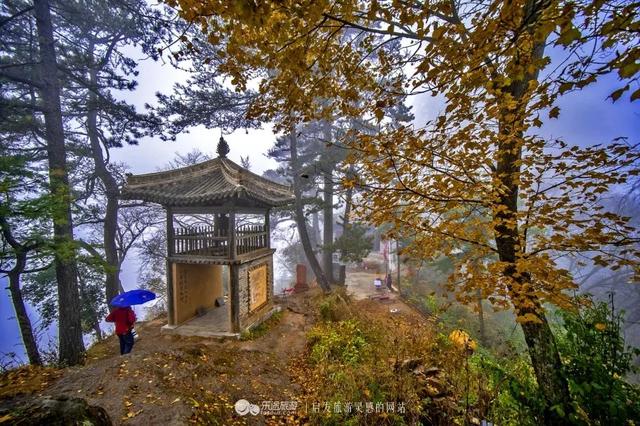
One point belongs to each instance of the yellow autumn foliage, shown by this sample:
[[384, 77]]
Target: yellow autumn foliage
[[462, 340], [477, 178], [477, 183]]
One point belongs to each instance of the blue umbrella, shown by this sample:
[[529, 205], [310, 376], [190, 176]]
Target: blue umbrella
[[133, 297]]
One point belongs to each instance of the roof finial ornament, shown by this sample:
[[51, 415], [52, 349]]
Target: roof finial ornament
[[223, 147]]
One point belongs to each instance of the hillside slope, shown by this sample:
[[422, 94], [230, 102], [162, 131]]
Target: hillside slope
[[176, 380]]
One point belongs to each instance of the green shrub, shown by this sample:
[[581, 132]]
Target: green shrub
[[327, 312], [596, 361], [335, 306], [353, 361], [511, 381], [431, 304], [342, 342], [262, 328]]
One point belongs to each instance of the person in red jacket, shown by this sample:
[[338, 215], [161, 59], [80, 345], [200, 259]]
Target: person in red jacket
[[124, 319]]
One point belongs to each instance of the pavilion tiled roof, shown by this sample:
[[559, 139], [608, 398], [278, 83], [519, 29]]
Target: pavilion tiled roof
[[209, 183]]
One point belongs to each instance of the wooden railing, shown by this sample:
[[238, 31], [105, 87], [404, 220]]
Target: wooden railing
[[201, 241], [210, 242], [250, 238]]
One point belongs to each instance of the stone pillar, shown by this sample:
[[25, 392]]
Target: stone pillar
[[232, 234], [301, 278], [169, 266], [170, 296], [234, 286]]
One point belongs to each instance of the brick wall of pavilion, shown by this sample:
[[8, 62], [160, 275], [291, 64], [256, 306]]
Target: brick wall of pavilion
[[246, 316]]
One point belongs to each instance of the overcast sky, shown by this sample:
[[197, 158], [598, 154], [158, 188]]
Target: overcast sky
[[152, 153], [586, 117]]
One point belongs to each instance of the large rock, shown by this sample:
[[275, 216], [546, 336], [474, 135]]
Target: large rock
[[410, 364], [58, 411]]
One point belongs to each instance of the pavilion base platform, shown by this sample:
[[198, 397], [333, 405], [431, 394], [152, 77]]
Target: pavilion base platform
[[215, 324], [263, 315]]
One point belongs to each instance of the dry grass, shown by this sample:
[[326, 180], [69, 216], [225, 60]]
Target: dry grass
[[26, 380], [356, 355], [173, 380]]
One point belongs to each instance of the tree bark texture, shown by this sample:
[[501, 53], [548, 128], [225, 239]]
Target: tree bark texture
[[24, 323], [328, 166], [545, 358], [112, 271], [342, 277], [71, 346], [315, 230], [327, 229], [300, 219]]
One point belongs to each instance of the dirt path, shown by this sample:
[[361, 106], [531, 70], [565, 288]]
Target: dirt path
[[173, 380], [360, 287], [170, 380]]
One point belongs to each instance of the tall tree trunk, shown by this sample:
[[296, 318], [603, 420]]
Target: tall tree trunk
[[483, 337], [24, 323], [315, 230], [328, 165], [327, 228], [26, 331], [348, 202], [93, 316], [541, 344], [545, 358], [544, 355], [398, 284], [71, 346], [300, 219], [112, 191], [345, 227]]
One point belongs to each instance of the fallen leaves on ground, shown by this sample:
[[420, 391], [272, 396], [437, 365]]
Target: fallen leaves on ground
[[27, 379]]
